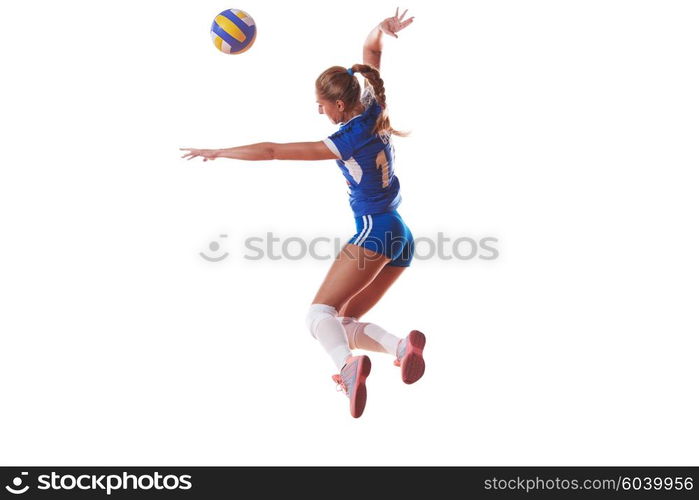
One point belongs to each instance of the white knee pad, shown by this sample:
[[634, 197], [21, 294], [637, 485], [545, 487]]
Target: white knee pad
[[316, 314], [351, 326]]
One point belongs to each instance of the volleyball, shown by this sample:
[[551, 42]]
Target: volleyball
[[233, 31]]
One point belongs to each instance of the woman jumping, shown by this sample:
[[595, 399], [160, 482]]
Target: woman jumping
[[383, 246]]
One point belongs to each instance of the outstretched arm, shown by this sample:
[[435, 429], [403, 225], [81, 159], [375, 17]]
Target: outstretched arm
[[266, 151], [373, 45]]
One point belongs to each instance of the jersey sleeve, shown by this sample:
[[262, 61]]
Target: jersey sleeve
[[341, 143]]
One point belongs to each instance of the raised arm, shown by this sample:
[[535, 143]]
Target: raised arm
[[373, 45], [266, 151]]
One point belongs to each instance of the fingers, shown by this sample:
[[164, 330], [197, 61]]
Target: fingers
[[402, 16], [396, 12], [194, 153], [407, 22], [191, 153]]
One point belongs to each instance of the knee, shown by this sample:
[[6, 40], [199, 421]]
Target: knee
[[316, 314], [350, 325]]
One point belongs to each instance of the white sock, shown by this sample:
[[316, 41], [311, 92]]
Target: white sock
[[369, 336], [323, 323]]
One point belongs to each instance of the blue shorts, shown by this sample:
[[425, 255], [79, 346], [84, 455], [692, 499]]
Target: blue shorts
[[386, 234]]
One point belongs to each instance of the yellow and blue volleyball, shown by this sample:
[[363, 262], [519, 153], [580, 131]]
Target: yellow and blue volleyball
[[233, 31]]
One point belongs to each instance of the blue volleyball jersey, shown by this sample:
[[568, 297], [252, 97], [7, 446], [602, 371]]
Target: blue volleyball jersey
[[366, 161]]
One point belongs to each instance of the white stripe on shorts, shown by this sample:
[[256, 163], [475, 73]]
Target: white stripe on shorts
[[363, 238], [364, 228]]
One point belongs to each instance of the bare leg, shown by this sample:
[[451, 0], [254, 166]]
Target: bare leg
[[368, 297], [368, 336], [354, 268]]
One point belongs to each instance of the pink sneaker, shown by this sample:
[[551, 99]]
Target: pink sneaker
[[410, 360], [352, 380]]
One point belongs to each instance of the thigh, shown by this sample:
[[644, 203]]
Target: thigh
[[353, 269], [361, 303]]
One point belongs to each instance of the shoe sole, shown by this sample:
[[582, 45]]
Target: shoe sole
[[358, 399], [412, 365]]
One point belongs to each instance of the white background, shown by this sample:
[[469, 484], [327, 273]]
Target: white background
[[568, 130]]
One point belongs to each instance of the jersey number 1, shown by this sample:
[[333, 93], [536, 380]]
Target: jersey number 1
[[382, 163]]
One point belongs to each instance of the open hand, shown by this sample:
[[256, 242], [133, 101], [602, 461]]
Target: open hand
[[392, 25], [206, 154]]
